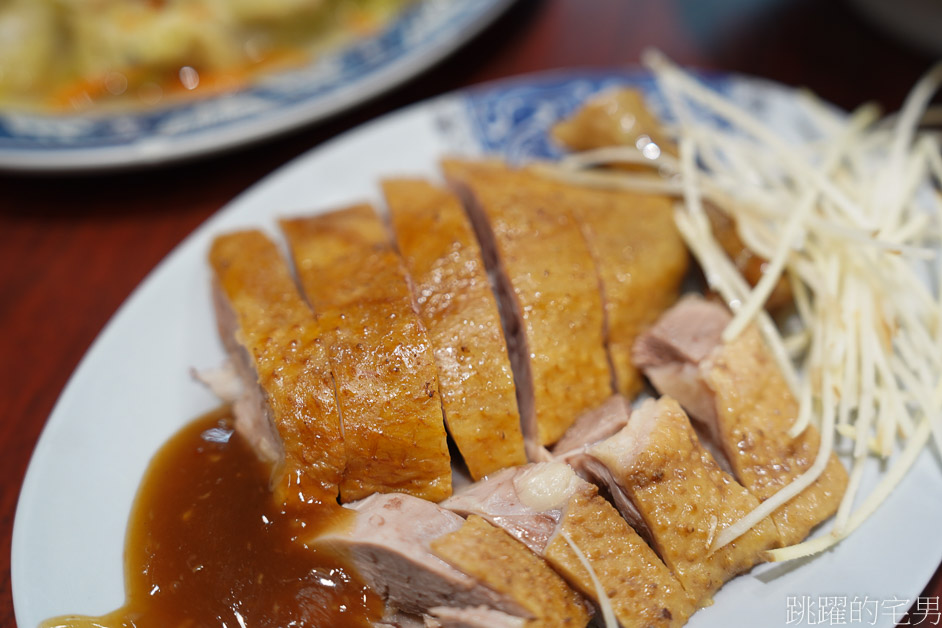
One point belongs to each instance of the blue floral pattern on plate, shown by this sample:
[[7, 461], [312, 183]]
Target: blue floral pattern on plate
[[512, 118]]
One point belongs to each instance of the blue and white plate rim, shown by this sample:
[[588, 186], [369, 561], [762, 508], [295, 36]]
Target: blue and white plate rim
[[425, 34]]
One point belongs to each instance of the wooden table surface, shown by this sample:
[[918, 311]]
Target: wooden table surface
[[73, 247]]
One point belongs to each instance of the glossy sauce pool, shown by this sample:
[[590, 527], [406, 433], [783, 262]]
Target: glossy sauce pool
[[207, 546]]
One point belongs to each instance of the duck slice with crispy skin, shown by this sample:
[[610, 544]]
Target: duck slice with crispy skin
[[738, 393], [549, 293], [457, 306], [380, 355], [287, 409], [389, 544], [492, 556], [668, 486], [641, 261], [548, 508]]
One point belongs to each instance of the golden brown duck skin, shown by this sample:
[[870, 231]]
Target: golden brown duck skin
[[738, 392], [642, 591], [380, 355], [287, 411], [503, 564], [549, 290], [457, 306], [641, 261], [672, 489]]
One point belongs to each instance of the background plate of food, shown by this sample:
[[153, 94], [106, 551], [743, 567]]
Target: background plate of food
[[134, 389], [88, 85]]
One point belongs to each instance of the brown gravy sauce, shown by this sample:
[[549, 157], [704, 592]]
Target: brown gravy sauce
[[208, 546]]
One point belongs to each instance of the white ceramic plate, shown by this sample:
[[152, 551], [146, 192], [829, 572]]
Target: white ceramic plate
[[133, 390], [420, 37]]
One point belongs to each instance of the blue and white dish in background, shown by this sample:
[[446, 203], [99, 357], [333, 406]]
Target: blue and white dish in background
[[421, 36], [114, 414]]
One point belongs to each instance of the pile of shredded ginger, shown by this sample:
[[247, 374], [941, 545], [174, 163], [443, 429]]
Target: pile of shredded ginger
[[853, 221]]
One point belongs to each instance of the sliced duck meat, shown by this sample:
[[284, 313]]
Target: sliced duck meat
[[667, 485], [495, 498], [452, 617], [641, 262], [549, 293], [388, 543], [457, 306], [478, 617], [394, 618], [287, 409], [493, 557], [595, 425], [562, 518], [380, 355], [739, 394]]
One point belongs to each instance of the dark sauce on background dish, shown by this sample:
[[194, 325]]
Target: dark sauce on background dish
[[207, 546]]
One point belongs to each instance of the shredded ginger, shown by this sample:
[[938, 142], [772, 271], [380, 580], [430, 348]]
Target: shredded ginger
[[604, 602], [852, 219]]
